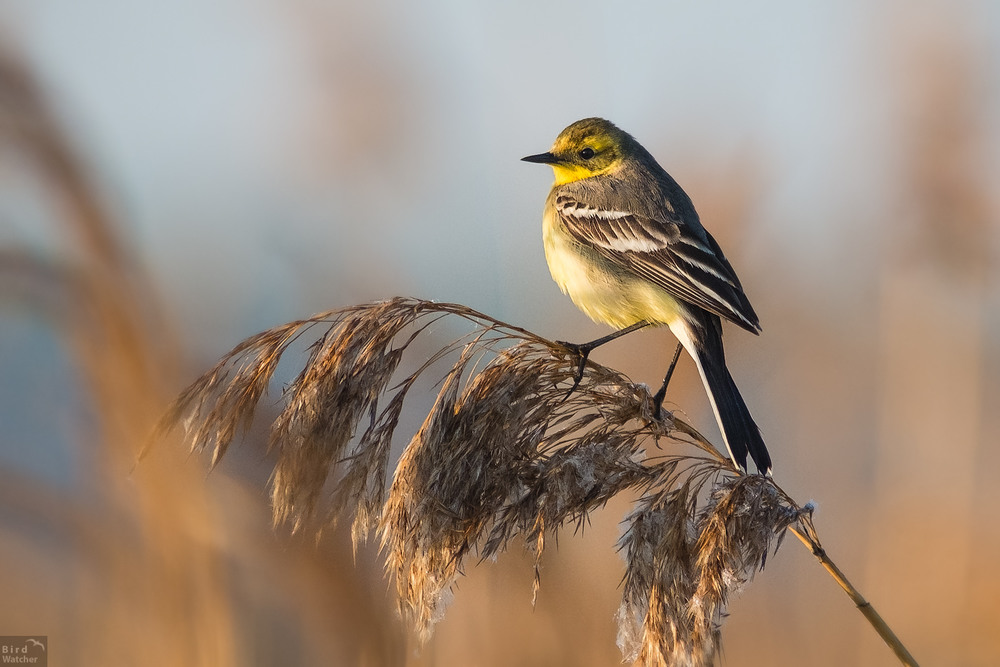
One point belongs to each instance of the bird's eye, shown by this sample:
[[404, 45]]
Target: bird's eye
[[586, 153]]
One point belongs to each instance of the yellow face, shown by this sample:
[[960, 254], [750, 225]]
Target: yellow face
[[586, 148]]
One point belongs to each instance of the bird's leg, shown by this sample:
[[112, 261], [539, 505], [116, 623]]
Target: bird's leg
[[583, 350], [659, 396]]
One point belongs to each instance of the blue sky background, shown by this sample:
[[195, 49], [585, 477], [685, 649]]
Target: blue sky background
[[338, 136]]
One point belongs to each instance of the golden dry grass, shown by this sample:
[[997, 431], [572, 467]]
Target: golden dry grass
[[505, 454]]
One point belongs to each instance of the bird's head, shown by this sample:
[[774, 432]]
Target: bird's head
[[586, 148]]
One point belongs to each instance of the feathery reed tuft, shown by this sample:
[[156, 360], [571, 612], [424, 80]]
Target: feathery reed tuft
[[503, 454], [683, 562]]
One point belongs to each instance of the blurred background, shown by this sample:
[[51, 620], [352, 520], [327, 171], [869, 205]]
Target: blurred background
[[176, 176]]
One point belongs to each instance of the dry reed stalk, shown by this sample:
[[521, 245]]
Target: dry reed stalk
[[806, 532], [503, 454]]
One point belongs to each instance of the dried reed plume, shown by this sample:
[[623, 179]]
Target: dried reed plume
[[504, 453]]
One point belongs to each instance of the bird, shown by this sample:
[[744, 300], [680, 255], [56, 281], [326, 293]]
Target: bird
[[34, 642], [624, 241]]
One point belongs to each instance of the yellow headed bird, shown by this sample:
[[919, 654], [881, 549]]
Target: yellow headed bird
[[623, 240]]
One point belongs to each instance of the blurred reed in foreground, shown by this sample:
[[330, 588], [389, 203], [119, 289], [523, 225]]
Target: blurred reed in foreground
[[148, 570], [503, 454]]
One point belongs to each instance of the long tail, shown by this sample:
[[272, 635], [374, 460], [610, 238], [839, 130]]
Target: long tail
[[701, 336]]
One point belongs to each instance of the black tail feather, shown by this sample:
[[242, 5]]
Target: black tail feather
[[740, 431]]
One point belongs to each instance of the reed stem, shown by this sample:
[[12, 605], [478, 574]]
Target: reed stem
[[806, 532]]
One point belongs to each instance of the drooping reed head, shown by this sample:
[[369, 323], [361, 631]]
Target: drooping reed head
[[504, 454]]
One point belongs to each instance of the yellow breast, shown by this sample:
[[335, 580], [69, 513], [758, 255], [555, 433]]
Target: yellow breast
[[604, 291]]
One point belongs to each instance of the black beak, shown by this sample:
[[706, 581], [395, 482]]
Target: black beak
[[541, 158]]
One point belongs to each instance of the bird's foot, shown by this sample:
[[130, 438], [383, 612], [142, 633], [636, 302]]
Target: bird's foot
[[661, 394], [582, 352], [658, 402]]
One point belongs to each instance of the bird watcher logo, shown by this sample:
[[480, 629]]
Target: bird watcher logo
[[26, 650]]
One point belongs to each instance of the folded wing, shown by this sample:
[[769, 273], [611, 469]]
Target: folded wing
[[664, 252]]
